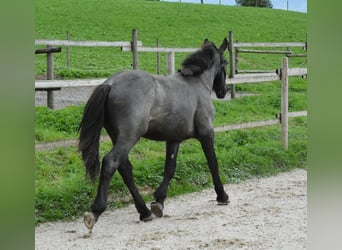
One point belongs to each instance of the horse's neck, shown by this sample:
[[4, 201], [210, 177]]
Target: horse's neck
[[207, 78]]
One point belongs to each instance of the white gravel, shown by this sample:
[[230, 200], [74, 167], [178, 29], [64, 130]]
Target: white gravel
[[267, 213], [65, 97]]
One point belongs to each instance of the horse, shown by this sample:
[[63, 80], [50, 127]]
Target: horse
[[132, 104]]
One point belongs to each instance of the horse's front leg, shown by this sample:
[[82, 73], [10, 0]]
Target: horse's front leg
[[169, 170], [207, 143], [126, 172]]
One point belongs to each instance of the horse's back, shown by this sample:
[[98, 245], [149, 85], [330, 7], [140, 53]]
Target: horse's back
[[130, 84], [129, 101]]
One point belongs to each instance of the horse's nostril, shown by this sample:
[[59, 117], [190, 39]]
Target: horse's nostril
[[221, 94]]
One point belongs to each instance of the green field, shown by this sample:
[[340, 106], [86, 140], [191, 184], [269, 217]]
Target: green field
[[174, 24], [62, 192]]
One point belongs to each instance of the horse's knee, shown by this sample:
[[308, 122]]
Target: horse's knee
[[109, 164]]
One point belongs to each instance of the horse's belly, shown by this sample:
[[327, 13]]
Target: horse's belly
[[169, 130]]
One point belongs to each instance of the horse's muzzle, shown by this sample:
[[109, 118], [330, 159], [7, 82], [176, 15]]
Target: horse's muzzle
[[221, 93]]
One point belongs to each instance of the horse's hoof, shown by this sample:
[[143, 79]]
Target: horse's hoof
[[89, 220], [223, 200], [157, 209], [146, 218]]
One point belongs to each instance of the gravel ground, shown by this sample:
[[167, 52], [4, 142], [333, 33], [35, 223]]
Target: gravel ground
[[267, 213], [65, 97]]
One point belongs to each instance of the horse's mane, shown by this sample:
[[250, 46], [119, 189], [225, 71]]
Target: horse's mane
[[199, 61]]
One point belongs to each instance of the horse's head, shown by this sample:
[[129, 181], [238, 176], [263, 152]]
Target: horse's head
[[219, 85], [208, 57]]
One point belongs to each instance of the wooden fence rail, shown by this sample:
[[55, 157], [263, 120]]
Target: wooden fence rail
[[265, 77], [260, 45], [85, 43], [48, 50], [239, 79], [165, 50], [45, 84]]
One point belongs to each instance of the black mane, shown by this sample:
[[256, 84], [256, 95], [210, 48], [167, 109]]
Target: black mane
[[198, 62]]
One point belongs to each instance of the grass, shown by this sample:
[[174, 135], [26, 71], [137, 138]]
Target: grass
[[174, 24], [52, 125], [61, 190]]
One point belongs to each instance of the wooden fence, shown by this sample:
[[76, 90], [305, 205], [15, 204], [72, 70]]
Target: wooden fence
[[49, 50], [236, 48], [169, 51], [280, 74], [51, 85], [135, 46]]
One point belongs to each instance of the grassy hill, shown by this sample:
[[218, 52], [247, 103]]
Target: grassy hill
[[174, 24]]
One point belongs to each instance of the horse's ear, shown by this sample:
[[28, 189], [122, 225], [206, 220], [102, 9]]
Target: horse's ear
[[224, 45], [205, 42]]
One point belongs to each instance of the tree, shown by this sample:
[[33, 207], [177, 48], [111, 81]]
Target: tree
[[255, 3]]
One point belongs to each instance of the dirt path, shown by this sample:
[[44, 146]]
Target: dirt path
[[268, 213]]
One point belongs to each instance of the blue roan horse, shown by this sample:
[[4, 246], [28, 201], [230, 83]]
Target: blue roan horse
[[133, 104]]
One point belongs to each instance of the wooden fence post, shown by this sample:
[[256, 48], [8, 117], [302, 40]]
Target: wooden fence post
[[134, 46], [236, 60], [158, 58], [170, 63], [231, 63], [49, 76], [284, 103], [68, 51]]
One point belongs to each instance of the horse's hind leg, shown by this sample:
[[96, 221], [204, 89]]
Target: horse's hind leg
[[169, 171], [117, 158], [109, 165]]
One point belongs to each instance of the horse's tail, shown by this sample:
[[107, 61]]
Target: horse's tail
[[90, 130]]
